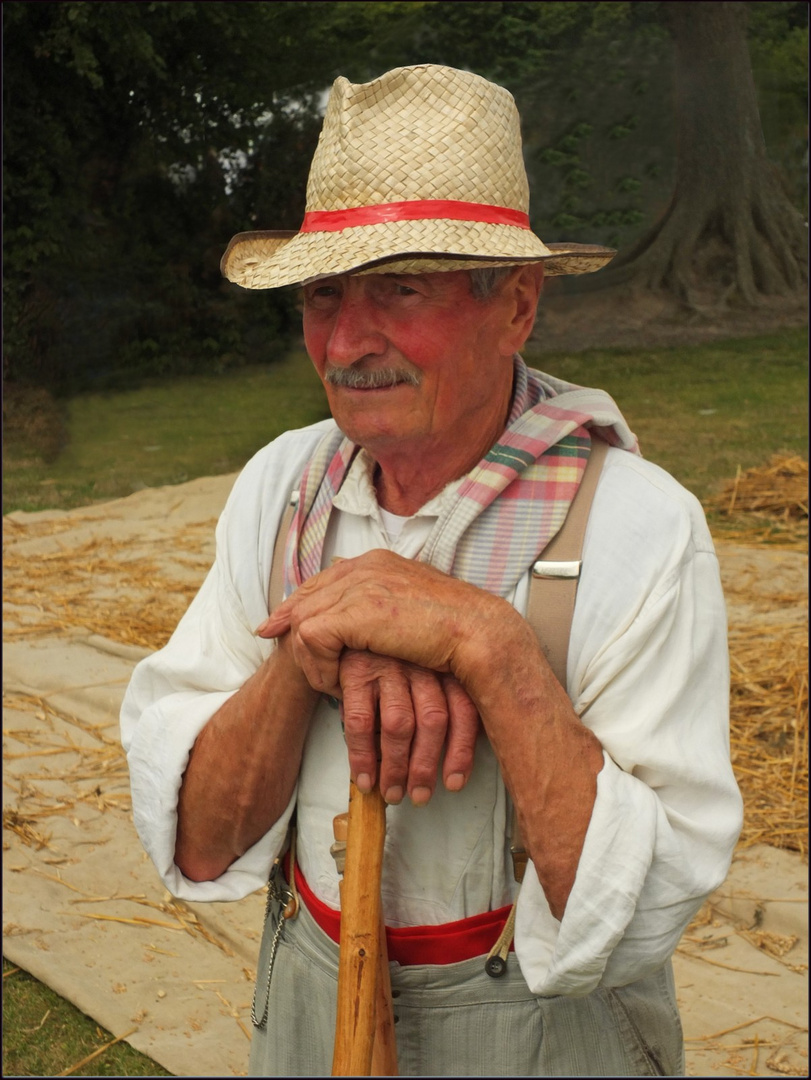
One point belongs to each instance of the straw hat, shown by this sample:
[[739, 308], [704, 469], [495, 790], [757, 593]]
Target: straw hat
[[417, 171]]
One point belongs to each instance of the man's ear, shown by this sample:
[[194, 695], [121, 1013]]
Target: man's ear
[[523, 290]]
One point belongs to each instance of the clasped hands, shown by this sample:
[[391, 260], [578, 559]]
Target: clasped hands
[[396, 640]]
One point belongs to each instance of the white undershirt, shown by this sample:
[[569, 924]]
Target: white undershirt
[[393, 524]]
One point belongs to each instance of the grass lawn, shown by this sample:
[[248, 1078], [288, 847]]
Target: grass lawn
[[165, 433], [44, 1035], [703, 410], [699, 411]]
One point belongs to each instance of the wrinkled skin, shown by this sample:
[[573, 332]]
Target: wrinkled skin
[[413, 714]]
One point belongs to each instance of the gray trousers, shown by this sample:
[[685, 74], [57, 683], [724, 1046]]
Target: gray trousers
[[455, 1020]]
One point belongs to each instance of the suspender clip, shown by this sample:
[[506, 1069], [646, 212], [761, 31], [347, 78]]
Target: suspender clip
[[519, 856], [546, 568]]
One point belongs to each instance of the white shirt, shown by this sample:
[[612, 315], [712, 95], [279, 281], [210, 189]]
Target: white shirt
[[647, 672]]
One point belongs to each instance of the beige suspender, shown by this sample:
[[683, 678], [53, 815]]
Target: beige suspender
[[551, 593], [552, 590], [555, 575], [276, 584]]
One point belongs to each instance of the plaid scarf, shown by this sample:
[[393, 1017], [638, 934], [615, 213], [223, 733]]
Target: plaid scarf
[[506, 510]]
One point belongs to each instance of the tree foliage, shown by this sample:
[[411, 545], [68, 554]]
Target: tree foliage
[[132, 136], [140, 137], [778, 45]]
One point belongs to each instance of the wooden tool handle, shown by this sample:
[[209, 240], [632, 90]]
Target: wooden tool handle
[[384, 1051], [364, 990]]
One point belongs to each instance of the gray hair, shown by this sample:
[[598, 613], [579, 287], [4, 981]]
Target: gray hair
[[484, 280]]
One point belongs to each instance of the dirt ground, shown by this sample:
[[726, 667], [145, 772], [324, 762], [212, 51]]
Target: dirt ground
[[615, 318]]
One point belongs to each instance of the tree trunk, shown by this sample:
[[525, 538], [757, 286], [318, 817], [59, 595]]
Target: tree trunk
[[730, 232]]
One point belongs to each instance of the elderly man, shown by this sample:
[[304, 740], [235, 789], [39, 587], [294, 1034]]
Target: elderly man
[[401, 655]]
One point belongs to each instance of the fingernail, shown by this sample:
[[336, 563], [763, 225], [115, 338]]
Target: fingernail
[[262, 627], [394, 795], [455, 782], [364, 783], [420, 795]]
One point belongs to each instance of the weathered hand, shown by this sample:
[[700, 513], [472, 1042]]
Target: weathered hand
[[391, 606], [420, 714], [397, 608]]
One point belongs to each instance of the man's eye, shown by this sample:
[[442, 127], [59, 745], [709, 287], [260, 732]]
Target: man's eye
[[320, 294], [404, 290]]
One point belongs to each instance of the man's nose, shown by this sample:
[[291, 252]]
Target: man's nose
[[355, 332]]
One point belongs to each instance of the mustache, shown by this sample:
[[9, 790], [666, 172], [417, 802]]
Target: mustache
[[356, 378]]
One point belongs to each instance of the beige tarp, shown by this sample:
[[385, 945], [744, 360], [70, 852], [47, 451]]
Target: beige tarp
[[84, 910]]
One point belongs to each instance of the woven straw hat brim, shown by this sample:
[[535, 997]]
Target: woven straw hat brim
[[271, 259]]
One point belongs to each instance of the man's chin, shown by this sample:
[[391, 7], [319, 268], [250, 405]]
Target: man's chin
[[373, 430], [362, 405]]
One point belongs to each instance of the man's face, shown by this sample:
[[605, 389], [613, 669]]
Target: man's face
[[412, 360]]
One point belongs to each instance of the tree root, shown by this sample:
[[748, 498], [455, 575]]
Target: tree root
[[735, 253]]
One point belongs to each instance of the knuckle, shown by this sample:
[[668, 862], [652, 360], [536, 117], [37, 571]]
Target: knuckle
[[433, 719], [306, 589], [359, 722], [397, 722], [352, 680], [305, 631]]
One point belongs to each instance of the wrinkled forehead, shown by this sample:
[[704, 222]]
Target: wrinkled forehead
[[480, 282], [436, 283], [395, 272]]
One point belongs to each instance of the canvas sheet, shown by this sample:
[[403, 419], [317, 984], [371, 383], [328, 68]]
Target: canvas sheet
[[84, 910]]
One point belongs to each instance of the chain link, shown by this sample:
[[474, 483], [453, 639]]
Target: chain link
[[283, 897]]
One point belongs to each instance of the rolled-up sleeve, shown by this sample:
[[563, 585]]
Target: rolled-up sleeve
[[649, 674], [174, 693]]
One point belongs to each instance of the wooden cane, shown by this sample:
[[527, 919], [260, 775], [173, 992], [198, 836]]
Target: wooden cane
[[364, 1028]]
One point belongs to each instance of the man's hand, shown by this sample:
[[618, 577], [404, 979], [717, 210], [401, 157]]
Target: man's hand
[[394, 607], [420, 714]]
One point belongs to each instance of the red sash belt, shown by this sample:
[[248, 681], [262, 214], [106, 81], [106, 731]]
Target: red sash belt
[[448, 943]]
